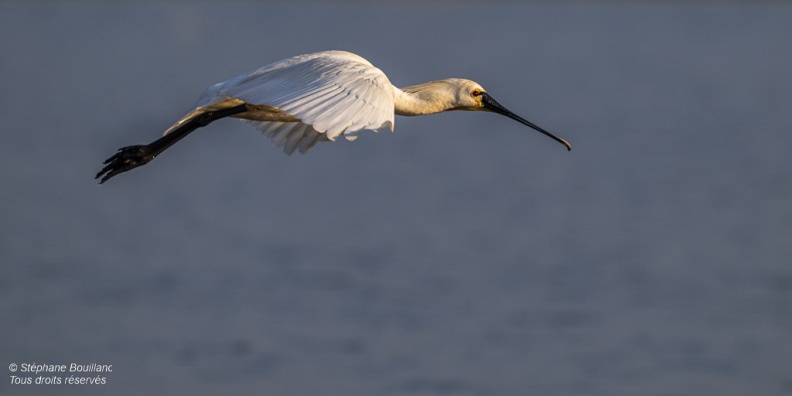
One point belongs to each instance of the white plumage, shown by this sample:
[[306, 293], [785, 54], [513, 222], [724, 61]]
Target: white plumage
[[312, 98], [331, 93]]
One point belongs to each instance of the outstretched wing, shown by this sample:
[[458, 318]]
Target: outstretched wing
[[310, 98]]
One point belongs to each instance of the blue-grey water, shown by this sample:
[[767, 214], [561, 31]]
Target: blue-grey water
[[464, 254]]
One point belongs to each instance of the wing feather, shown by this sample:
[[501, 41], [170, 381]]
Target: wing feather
[[281, 132], [309, 103], [297, 135], [362, 118], [290, 135], [331, 93], [309, 140]]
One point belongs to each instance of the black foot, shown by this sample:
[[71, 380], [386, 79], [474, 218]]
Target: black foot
[[127, 158]]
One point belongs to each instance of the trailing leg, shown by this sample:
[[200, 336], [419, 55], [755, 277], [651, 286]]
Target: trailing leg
[[131, 157]]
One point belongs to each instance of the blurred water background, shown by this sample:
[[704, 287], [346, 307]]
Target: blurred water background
[[464, 254]]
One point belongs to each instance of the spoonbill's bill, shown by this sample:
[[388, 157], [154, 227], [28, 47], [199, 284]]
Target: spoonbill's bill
[[312, 98]]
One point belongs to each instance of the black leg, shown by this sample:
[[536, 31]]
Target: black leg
[[131, 157]]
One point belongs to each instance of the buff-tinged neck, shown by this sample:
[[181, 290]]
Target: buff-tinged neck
[[427, 98]]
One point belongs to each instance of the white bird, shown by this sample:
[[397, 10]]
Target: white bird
[[312, 98]]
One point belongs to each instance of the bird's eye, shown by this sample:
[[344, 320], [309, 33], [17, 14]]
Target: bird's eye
[[476, 92]]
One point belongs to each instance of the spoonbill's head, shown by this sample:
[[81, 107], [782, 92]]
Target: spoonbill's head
[[471, 96]]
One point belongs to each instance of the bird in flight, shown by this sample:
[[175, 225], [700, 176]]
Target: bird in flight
[[313, 98]]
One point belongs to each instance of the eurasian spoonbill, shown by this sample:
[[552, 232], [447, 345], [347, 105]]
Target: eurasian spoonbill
[[312, 98]]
